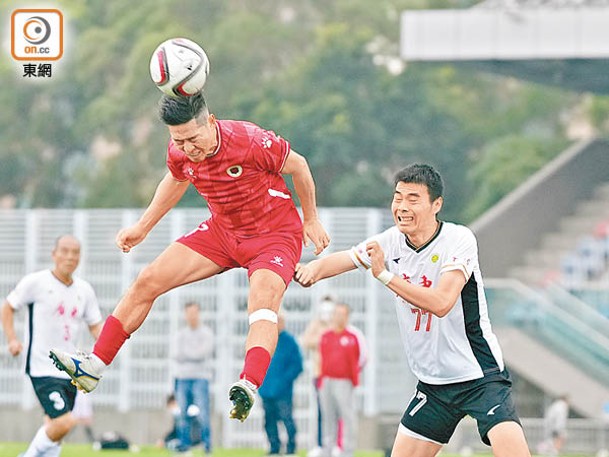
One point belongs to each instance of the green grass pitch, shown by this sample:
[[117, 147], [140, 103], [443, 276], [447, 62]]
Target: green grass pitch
[[83, 450]]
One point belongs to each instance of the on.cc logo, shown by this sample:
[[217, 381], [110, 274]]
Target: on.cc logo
[[36, 30], [36, 34]]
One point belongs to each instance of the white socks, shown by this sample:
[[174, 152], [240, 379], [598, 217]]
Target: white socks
[[42, 446], [54, 451], [98, 363]]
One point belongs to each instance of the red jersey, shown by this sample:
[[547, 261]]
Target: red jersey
[[340, 355], [242, 182]]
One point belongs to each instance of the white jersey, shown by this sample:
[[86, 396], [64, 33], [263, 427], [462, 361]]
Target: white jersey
[[461, 345], [55, 313], [556, 416]]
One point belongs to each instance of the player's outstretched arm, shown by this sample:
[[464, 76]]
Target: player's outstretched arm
[[332, 265], [168, 194], [297, 166]]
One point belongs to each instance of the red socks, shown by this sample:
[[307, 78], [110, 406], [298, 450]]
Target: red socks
[[111, 339], [257, 361], [113, 336]]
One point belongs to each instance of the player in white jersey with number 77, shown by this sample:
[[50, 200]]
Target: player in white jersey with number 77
[[432, 268]]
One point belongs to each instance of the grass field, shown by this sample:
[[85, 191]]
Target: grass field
[[77, 450], [81, 450]]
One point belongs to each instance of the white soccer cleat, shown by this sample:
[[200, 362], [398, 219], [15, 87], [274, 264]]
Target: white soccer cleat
[[315, 452], [242, 394], [80, 367]]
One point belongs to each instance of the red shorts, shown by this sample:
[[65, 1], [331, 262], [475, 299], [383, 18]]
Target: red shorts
[[276, 251]]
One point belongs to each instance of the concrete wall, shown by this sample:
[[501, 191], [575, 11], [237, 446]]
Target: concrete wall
[[146, 427], [516, 224]]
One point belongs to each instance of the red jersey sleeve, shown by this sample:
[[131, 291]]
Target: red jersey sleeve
[[270, 151], [175, 161]]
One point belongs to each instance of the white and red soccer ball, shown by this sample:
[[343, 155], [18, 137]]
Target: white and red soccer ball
[[179, 67]]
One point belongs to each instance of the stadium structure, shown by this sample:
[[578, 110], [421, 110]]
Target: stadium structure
[[543, 247], [544, 253]]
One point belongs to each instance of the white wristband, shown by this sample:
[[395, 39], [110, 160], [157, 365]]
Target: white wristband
[[385, 277]]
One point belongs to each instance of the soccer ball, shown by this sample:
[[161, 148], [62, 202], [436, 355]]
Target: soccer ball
[[179, 67]]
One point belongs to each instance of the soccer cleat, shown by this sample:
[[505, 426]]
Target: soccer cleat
[[242, 395], [79, 367]]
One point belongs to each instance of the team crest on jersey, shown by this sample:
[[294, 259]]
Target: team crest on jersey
[[435, 258], [267, 142], [344, 341], [234, 171]]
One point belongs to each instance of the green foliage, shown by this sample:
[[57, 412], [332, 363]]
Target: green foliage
[[505, 163], [313, 71], [598, 111]]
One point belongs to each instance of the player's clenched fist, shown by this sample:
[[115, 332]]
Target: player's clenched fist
[[304, 275], [313, 231], [15, 347], [377, 257], [129, 237]]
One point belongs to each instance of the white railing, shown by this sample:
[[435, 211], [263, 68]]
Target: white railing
[[141, 376]]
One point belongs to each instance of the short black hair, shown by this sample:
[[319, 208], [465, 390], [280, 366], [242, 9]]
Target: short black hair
[[180, 110], [419, 173]]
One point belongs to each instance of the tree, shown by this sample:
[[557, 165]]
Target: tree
[[313, 71], [505, 163]]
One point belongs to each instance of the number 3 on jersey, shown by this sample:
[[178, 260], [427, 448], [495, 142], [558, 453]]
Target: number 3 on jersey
[[58, 402], [420, 315]]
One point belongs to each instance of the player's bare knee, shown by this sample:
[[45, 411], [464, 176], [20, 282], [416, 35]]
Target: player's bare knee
[[59, 427], [147, 285], [266, 290], [269, 297]]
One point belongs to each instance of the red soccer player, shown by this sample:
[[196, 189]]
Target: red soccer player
[[236, 166]]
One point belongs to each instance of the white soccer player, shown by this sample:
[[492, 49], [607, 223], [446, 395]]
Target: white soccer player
[[432, 268], [57, 303]]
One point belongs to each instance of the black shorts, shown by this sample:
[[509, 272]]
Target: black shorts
[[435, 410], [56, 395]]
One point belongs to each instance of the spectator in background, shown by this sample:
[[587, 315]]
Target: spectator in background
[[340, 367], [170, 440], [555, 426], [310, 340], [192, 355], [277, 390], [363, 358], [57, 303]]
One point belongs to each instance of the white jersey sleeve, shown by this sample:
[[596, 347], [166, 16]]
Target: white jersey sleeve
[[24, 293], [92, 314], [464, 255], [360, 257]]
